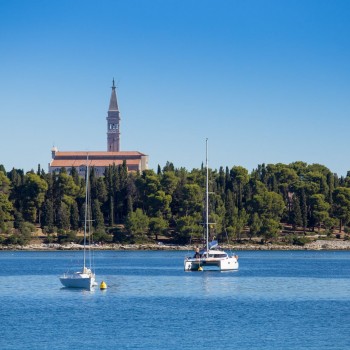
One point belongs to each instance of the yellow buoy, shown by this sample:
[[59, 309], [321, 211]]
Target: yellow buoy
[[200, 268], [103, 285]]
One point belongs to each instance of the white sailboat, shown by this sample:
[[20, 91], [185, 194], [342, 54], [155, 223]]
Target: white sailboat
[[209, 257], [86, 277]]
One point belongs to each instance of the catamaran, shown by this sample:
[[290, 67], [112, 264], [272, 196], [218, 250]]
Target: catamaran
[[209, 257], [86, 277]]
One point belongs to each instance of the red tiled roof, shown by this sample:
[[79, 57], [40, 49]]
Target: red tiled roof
[[134, 160], [99, 153], [94, 162]]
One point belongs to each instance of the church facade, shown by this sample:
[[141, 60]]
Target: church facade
[[100, 160]]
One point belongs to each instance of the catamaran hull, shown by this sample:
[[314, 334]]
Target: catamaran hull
[[227, 264], [78, 281]]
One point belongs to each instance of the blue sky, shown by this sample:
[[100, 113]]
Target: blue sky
[[266, 81]]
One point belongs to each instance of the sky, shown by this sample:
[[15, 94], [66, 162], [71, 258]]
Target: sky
[[266, 81]]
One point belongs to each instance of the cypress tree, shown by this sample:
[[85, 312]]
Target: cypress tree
[[228, 184], [129, 204], [230, 208], [63, 217], [74, 216], [330, 183], [115, 190], [97, 215], [18, 219], [296, 215], [221, 181], [47, 217], [111, 211], [303, 207], [110, 183], [75, 175]]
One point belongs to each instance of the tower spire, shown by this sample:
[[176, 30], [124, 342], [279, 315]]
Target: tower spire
[[113, 103]]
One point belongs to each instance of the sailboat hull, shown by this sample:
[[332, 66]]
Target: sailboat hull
[[78, 280]]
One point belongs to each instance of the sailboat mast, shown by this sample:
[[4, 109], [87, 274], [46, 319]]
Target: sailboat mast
[[86, 205], [207, 197]]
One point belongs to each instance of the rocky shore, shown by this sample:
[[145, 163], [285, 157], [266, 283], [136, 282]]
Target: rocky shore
[[315, 245]]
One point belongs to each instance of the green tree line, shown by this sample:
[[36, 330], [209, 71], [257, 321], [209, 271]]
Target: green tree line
[[169, 202]]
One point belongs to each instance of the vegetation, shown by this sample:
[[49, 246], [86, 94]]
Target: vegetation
[[274, 201]]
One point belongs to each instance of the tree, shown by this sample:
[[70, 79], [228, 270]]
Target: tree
[[159, 202], [148, 184], [229, 208], [74, 216], [169, 167], [63, 189], [63, 217], [304, 209], [296, 218], [33, 195], [137, 223], [217, 212], [268, 205], [188, 228], [239, 177], [270, 229], [255, 225], [111, 190], [192, 200], [341, 201], [169, 182], [315, 182], [47, 217], [75, 175], [319, 209], [5, 204], [18, 219], [97, 216], [158, 226], [240, 220]]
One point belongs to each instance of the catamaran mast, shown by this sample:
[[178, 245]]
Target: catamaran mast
[[207, 197]]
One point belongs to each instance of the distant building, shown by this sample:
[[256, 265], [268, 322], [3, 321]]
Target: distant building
[[113, 123], [135, 161]]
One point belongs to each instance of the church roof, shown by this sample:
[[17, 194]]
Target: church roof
[[96, 158], [113, 103], [98, 154], [64, 163]]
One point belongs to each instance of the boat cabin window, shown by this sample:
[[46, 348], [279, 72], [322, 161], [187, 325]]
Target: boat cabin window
[[218, 255]]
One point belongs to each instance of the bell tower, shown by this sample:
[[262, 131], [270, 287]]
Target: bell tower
[[113, 121]]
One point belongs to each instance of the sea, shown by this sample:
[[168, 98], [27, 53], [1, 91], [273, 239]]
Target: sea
[[276, 300]]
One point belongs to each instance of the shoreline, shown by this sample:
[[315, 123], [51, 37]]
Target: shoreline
[[315, 245]]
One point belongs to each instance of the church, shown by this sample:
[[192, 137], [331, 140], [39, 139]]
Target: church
[[135, 161]]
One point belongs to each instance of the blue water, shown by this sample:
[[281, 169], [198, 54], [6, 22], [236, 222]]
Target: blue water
[[277, 300]]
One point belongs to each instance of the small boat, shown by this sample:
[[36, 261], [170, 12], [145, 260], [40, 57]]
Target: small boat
[[209, 257], [86, 277]]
